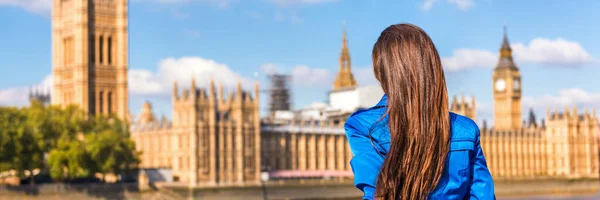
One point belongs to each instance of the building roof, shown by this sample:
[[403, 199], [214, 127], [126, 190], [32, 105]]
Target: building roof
[[506, 60]]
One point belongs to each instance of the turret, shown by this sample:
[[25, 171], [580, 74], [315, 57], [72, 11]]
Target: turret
[[193, 89], [238, 91], [221, 93], [256, 93], [175, 91], [211, 91]]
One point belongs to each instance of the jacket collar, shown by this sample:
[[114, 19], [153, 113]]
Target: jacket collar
[[383, 101]]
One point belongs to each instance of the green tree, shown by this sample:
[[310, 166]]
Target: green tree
[[110, 148], [8, 116], [69, 159], [76, 145], [22, 146]]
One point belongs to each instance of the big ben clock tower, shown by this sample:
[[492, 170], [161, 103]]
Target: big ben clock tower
[[507, 90]]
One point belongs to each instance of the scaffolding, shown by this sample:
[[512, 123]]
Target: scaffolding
[[279, 93]]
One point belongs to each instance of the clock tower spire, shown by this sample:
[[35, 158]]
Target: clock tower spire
[[507, 90], [344, 78]]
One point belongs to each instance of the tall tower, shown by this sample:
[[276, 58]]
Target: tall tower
[[344, 78], [89, 55], [507, 90]]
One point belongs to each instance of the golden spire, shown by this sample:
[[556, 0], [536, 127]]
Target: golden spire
[[344, 42], [344, 78], [506, 59], [505, 50]]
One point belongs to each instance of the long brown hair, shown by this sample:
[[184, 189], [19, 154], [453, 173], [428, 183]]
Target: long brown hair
[[408, 67]]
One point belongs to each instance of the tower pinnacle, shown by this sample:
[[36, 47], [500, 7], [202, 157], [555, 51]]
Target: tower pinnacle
[[344, 78], [506, 59]]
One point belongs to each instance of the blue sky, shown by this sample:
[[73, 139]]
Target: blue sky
[[555, 44]]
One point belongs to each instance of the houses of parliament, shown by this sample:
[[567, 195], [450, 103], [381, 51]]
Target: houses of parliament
[[218, 138]]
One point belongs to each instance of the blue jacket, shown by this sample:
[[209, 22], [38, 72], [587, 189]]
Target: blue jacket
[[466, 175]]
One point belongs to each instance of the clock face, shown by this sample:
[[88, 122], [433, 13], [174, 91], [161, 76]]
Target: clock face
[[500, 85], [516, 84]]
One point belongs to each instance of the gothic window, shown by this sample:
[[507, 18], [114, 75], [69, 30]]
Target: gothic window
[[109, 102], [109, 50], [100, 102], [101, 49], [68, 50]]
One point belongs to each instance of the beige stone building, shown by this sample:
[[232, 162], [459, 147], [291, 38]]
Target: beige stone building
[[214, 138], [204, 144], [89, 55], [462, 107], [565, 145]]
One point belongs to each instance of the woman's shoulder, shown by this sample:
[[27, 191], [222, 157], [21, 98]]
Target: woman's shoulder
[[463, 128], [363, 119]]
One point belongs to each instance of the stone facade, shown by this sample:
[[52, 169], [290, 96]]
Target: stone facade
[[219, 141], [89, 55], [306, 149], [565, 145], [464, 108], [213, 139]]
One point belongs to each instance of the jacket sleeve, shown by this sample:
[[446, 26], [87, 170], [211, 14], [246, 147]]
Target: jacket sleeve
[[365, 162], [482, 184]]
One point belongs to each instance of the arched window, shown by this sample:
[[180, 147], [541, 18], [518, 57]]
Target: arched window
[[100, 101], [109, 50], [109, 99], [101, 49]]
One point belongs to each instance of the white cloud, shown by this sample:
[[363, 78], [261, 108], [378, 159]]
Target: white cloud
[[306, 76], [469, 58], [302, 75], [19, 96], [284, 3], [182, 70], [13, 97], [292, 17], [143, 81], [463, 4], [365, 76], [558, 52], [295, 19], [269, 68], [427, 4], [568, 97], [551, 52], [41, 7], [192, 33]]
